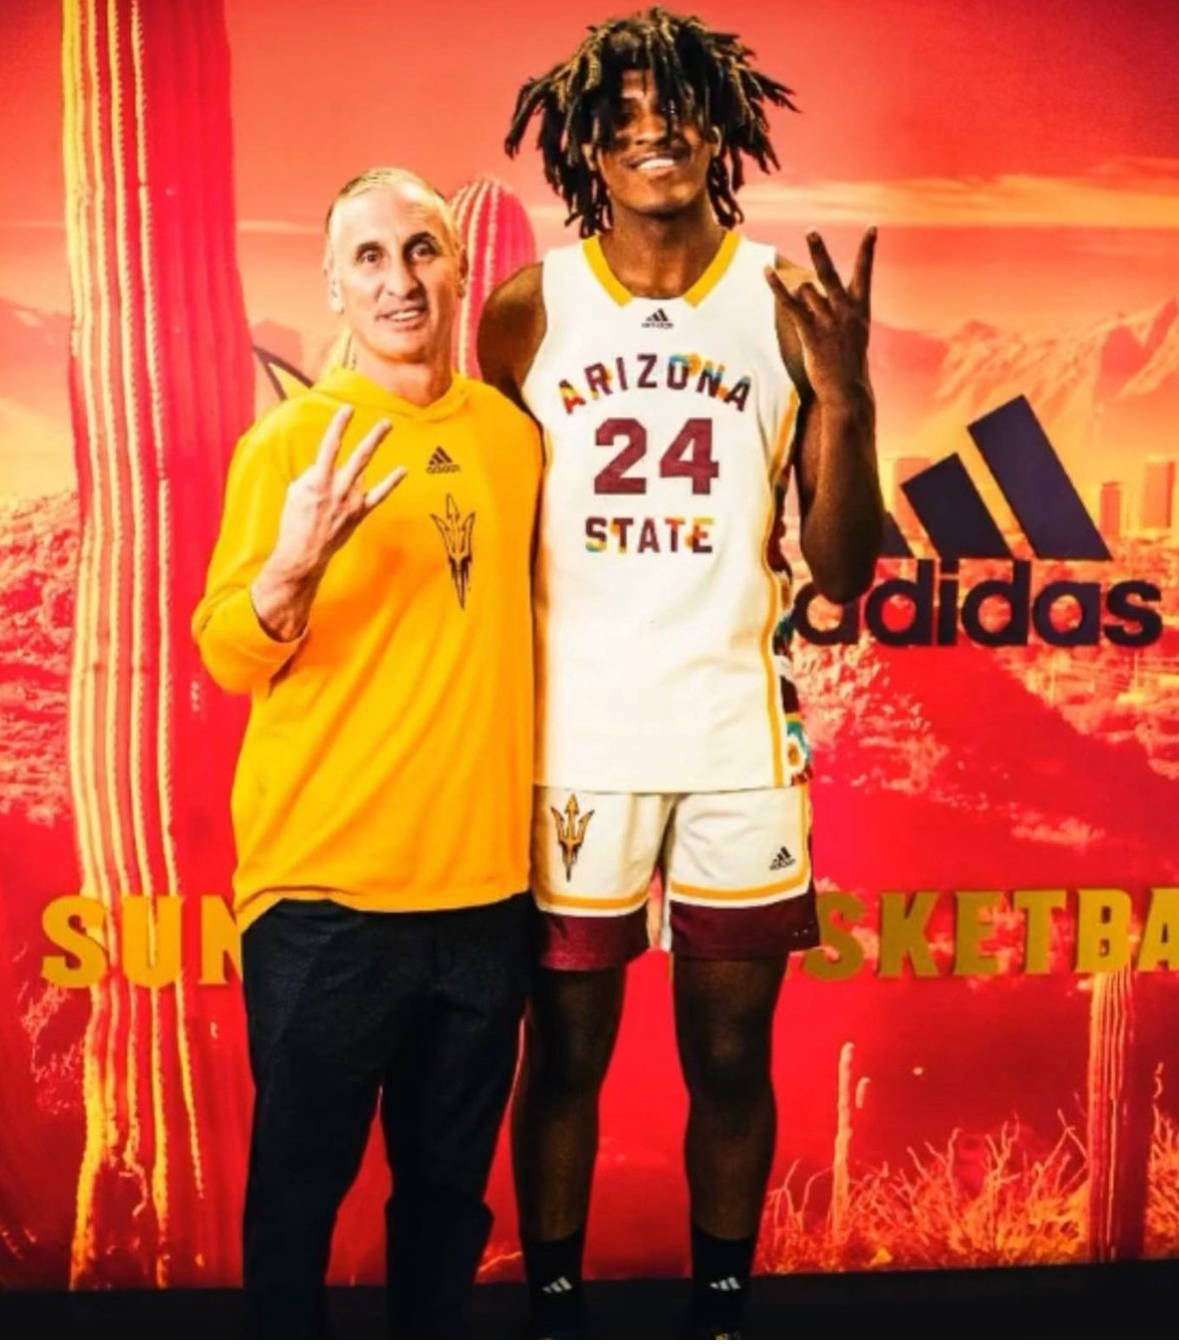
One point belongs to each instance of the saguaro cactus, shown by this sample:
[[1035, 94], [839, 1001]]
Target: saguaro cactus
[[1120, 1122], [840, 1168], [497, 233], [160, 387]]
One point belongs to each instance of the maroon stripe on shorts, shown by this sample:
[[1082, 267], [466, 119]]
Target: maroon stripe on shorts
[[743, 933], [591, 943]]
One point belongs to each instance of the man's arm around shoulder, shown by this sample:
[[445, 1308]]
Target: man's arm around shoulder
[[511, 329]]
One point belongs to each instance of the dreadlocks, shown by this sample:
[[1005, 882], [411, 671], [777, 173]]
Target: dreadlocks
[[698, 75]]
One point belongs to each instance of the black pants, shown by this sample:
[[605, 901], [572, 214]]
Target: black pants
[[422, 1010]]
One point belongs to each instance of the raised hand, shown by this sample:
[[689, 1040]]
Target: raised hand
[[326, 504], [323, 507], [832, 321]]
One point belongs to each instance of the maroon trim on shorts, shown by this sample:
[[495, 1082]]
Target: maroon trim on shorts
[[744, 933], [591, 942]]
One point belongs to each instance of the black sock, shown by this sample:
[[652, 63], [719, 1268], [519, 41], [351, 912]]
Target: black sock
[[720, 1276], [553, 1269]]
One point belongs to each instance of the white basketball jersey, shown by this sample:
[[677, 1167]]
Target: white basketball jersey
[[662, 631]]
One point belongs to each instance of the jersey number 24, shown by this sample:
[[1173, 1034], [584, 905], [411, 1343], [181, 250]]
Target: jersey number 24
[[690, 454]]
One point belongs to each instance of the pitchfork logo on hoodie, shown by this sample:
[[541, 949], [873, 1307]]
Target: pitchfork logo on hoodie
[[455, 531]]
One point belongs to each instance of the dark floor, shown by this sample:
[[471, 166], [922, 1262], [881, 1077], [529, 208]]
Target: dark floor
[[1129, 1301]]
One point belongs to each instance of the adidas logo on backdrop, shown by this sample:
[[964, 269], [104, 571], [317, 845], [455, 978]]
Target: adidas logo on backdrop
[[959, 526], [440, 460], [658, 319]]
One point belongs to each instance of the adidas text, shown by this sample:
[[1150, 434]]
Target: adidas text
[[938, 611]]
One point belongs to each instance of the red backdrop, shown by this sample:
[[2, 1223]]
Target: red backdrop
[[969, 1082]]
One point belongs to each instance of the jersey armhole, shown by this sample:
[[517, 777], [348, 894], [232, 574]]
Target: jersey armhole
[[548, 308]]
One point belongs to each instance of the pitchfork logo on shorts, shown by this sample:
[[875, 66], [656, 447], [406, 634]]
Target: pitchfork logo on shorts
[[570, 832], [455, 531]]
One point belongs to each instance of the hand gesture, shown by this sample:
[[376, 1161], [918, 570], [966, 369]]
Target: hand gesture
[[325, 504], [831, 322]]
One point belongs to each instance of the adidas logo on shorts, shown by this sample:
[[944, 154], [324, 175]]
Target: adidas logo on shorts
[[558, 1286], [782, 859], [440, 460], [658, 319]]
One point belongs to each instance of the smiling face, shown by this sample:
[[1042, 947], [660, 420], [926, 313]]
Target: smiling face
[[395, 271], [648, 165]]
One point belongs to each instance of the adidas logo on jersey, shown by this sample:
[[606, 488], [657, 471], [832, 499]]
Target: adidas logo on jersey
[[658, 319], [782, 859], [558, 1286], [729, 1285], [440, 460]]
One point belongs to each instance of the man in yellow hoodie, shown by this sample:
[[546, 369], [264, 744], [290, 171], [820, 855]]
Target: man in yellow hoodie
[[370, 591]]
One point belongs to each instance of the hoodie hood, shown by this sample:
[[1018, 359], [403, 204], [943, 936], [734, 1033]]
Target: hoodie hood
[[356, 389]]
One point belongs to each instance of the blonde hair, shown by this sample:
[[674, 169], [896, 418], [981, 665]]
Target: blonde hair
[[393, 177]]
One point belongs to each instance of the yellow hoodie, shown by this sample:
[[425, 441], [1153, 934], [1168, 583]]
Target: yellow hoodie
[[387, 760]]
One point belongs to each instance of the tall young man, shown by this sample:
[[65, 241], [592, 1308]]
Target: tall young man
[[679, 373], [370, 591]]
